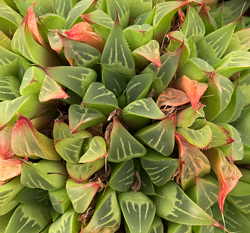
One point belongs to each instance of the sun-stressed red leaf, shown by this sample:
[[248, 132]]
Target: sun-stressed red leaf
[[193, 163], [5, 147], [84, 32], [227, 173], [172, 97], [194, 90], [30, 21], [9, 169]]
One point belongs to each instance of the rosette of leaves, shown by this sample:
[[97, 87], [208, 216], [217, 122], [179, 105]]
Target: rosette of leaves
[[124, 116]]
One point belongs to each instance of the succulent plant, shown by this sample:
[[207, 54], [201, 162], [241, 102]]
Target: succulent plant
[[124, 116]]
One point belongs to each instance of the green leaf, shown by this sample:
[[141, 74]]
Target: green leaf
[[138, 211], [140, 112], [188, 116], [122, 176], [159, 168], [8, 193], [107, 215], [157, 226], [147, 186], [197, 137], [196, 69], [178, 228], [204, 192], [218, 96], [100, 98], [139, 86], [26, 141], [234, 62], [62, 7], [9, 19], [68, 222], [46, 175], [59, 200], [81, 194], [96, 150], [117, 55], [82, 172], [123, 145], [30, 218], [61, 130], [164, 14], [81, 117], [5, 41], [9, 88], [51, 90], [118, 9], [80, 54], [4, 219], [80, 8], [159, 136], [235, 149], [193, 25], [76, 79], [138, 35], [174, 205], [194, 162], [32, 81], [205, 229]]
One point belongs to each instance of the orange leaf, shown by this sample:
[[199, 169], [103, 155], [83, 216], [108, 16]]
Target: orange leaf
[[227, 173], [84, 32], [193, 89], [30, 21], [172, 97], [9, 169]]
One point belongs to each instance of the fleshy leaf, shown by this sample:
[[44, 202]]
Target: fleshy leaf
[[46, 175], [100, 98], [139, 112], [26, 141], [51, 90], [159, 136], [122, 176], [107, 215], [77, 79], [157, 226], [178, 228], [81, 194], [59, 200], [150, 52], [172, 97], [9, 168], [139, 86], [68, 222], [82, 172], [227, 173], [96, 150], [204, 192], [83, 32], [193, 163], [138, 211], [217, 96], [159, 168], [8, 193], [31, 218], [5, 145], [199, 137], [81, 117], [193, 89], [9, 88], [174, 205], [123, 145]]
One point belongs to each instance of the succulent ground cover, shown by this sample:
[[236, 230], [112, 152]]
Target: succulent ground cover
[[129, 116]]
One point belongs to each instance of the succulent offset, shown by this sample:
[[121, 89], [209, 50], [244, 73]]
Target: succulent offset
[[127, 116]]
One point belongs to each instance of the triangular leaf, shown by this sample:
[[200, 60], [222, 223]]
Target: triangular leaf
[[59, 200]]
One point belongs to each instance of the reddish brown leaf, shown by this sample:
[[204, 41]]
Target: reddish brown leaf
[[227, 173], [5, 146], [172, 97], [84, 32], [9, 169], [30, 21], [193, 163], [194, 90]]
